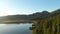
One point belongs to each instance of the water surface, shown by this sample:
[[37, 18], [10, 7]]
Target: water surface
[[15, 28]]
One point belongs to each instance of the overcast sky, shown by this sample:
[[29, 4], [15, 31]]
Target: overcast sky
[[11, 7]]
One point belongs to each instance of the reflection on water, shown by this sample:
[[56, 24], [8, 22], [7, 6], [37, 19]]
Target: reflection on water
[[15, 28]]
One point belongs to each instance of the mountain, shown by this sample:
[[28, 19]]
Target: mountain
[[24, 17], [42, 15]]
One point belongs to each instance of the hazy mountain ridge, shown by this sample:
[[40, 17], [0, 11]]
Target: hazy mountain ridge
[[24, 17], [35, 16]]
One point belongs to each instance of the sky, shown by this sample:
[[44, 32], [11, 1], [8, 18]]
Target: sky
[[13, 7]]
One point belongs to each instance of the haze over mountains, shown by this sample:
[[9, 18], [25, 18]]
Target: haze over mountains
[[37, 15], [24, 17]]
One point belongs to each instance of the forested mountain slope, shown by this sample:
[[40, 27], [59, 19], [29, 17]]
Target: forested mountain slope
[[48, 25]]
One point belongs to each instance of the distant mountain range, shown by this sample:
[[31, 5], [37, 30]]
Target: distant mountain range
[[25, 17], [34, 16]]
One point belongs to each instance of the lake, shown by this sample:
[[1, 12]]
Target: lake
[[15, 28]]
